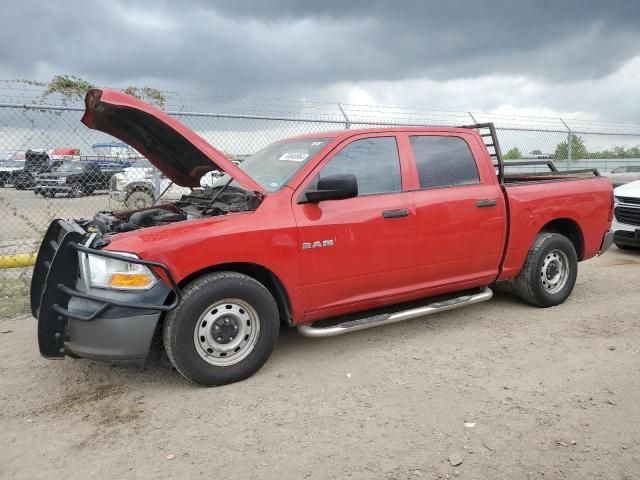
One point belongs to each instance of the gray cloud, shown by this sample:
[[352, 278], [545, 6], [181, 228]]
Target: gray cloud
[[234, 47]]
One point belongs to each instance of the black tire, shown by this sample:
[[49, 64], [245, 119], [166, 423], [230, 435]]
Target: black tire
[[623, 247], [76, 191], [139, 199], [533, 284], [181, 328]]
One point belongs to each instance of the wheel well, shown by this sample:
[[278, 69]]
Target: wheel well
[[571, 230], [263, 275]]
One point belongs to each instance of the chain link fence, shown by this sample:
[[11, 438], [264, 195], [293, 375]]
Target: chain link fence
[[52, 166]]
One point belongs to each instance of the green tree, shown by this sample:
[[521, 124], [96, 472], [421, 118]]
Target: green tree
[[513, 154], [72, 88], [535, 152], [578, 150]]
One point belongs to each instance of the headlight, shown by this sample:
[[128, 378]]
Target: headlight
[[103, 272]]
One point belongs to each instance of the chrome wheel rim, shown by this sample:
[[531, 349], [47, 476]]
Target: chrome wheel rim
[[226, 332], [555, 271]]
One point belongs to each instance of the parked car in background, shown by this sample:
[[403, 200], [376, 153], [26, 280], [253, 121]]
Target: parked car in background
[[624, 174], [64, 153], [135, 187], [78, 178], [36, 162], [8, 168], [626, 222]]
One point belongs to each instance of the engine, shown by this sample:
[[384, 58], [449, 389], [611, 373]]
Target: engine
[[201, 203]]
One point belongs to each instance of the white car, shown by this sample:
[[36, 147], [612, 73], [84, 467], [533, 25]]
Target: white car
[[624, 174], [626, 222], [135, 187]]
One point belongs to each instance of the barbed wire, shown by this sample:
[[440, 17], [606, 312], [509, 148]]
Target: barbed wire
[[12, 91]]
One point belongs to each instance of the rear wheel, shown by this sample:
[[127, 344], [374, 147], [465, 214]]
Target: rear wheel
[[550, 271], [139, 199], [623, 247], [224, 329]]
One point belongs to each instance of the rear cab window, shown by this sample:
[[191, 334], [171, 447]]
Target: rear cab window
[[443, 161]]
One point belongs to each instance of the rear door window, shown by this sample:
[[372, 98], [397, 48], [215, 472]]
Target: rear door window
[[443, 161]]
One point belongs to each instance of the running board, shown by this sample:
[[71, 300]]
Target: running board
[[387, 318]]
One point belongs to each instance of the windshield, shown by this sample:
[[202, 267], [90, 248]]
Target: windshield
[[273, 166], [71, 167]]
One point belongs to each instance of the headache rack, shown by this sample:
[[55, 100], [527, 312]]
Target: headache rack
[[490, 138]]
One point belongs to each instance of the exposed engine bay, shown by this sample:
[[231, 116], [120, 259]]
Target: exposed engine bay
[[200, 203]]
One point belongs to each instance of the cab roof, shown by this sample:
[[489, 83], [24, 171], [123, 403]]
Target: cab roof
[[346, 133]]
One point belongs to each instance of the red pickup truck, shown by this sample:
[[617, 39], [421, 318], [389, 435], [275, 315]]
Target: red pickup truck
[[330, 232]]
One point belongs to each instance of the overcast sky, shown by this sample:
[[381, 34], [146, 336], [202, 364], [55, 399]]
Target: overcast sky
[[571, 58]]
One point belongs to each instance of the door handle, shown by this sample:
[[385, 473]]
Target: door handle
[[399, 213], [486, 203]]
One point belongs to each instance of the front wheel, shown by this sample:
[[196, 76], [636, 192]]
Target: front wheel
[[224, 329], [139, 199], [550, 271]]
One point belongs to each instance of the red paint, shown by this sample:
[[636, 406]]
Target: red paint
[[119, 114], [445, 244]]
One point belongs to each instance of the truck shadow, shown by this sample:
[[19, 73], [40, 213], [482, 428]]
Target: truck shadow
[[294, 350]]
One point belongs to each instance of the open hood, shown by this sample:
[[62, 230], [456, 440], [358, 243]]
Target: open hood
[[178, 152]]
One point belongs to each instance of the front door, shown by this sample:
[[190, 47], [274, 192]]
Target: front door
[[357, 250]]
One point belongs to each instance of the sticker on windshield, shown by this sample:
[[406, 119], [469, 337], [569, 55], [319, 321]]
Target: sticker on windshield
[[294, 156]]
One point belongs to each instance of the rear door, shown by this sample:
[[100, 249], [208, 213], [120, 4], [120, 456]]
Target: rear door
[[460, 211], [359, 249]]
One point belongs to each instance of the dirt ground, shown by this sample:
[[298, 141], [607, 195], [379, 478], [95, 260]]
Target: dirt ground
[[544, 393], [24, 216]]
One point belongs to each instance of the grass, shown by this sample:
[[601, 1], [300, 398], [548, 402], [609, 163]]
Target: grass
[[14, 292]]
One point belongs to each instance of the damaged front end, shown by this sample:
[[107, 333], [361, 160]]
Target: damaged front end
[[200, 203], [80, 319], [95, 303], [105, 305]]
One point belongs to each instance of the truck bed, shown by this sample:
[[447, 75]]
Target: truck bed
[[582, 203]]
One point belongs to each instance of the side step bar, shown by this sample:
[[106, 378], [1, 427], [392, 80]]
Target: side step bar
[[387, 318]]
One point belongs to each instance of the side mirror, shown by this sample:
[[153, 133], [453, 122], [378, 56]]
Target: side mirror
[[332, 187]]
